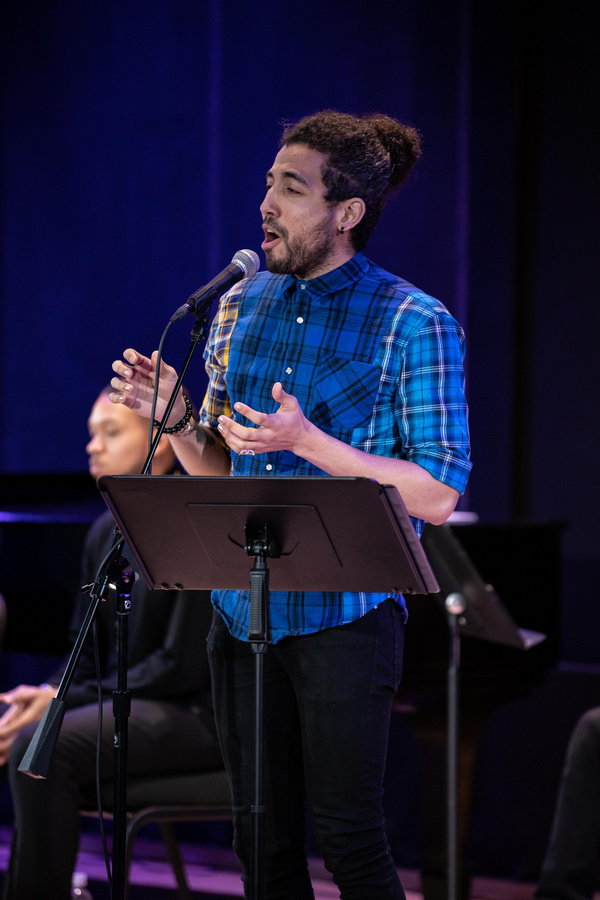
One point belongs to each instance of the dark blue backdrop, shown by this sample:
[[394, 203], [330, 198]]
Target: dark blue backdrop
[[135, 140]]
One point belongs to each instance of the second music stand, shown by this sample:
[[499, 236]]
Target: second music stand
[[474, 609]]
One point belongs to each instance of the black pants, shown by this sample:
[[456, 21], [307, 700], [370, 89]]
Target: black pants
[[161, 737], [570, 870], [328, 698]]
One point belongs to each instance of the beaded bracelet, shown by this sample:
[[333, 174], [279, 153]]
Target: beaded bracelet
[[183, 422]]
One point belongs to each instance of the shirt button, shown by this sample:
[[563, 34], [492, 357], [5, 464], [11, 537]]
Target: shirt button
[[289, 370], [299, 320], [302, 287], [269, 467]]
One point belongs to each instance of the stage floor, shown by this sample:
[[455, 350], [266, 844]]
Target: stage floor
[[213, 874]]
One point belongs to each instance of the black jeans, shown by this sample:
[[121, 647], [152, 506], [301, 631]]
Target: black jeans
[[161, 737], [328, 699], [570, 870]]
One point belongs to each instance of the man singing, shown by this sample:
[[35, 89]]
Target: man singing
[[324, 365]]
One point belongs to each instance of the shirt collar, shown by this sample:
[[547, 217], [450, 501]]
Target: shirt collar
[[336, 280]]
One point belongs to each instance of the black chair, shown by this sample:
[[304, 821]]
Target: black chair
[[164, 800]]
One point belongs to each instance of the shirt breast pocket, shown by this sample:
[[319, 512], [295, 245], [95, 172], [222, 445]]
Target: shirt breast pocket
[[344, 394]]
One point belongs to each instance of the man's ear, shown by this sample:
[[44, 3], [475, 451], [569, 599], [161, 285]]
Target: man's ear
[[350, 214]]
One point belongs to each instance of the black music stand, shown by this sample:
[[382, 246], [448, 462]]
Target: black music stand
[[325, 534], [473, 609]]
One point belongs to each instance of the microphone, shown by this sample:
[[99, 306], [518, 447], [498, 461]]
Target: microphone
[[244, 264]]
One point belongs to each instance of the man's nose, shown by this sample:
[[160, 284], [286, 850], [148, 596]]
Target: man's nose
[[269, 205]]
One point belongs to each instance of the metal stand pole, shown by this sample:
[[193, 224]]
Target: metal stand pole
[[121, 711], [260, 545], [455, 605]]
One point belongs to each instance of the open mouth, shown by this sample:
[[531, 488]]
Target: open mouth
[[270, 240]]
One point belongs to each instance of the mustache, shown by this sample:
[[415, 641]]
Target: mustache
[[269, 222]]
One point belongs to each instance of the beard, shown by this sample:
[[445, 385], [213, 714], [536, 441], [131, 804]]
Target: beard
[[304, 256]]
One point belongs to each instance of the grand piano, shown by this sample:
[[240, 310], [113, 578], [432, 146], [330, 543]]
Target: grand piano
[[43, 521]]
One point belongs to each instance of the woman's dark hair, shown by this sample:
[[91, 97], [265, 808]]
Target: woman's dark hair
[[368, 157]]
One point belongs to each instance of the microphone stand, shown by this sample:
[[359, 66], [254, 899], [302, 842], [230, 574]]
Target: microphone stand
[[198, 333], [117, 573]]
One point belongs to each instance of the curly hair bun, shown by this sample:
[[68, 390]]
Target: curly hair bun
[[368, 156], [402, 142]]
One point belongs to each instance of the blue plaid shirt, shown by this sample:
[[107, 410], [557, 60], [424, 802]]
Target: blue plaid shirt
[[372, 361]]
